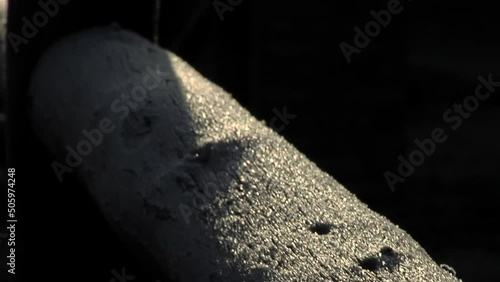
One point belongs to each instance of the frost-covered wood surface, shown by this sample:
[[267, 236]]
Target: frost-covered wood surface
[[194, 183]]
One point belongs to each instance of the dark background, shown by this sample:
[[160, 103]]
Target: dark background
[[353, 120]]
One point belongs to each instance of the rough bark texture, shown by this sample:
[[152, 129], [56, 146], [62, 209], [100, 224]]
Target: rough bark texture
[[199, 187]]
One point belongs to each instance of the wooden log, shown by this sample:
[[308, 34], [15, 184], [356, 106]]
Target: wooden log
[[194, 183]]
